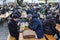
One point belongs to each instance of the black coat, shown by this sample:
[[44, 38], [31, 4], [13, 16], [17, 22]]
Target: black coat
[[57, 19], [12, 25], [49, 26]]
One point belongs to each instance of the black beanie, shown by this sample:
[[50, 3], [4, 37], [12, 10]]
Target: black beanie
[[15, 16]]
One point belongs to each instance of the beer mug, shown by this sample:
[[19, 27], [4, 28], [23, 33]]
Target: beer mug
[[26, 25], [22, 27]]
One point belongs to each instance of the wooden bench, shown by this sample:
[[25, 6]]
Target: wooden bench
[[10, 37]]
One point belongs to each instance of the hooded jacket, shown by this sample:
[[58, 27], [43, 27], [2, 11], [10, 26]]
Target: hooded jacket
[[37, 27], [49, 25], [12, 26]]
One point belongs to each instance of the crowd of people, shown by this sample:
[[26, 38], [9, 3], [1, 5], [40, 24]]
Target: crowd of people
[[44, 27]]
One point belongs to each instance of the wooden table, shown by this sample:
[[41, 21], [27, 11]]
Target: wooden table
[[7, 14], [58, 27]]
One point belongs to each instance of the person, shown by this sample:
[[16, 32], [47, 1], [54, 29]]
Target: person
[[57, 22], [30, 10], [36, 13], [13, 27], [4, 10], [16, 11], [23, 16], [36, 25], [49, 27], [57, 18]]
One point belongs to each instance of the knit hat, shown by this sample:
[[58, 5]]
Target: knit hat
[[49, 16], [15, 16], [29, 15]]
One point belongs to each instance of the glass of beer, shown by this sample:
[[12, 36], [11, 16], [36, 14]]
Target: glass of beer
[[22, 27], [26, 25]]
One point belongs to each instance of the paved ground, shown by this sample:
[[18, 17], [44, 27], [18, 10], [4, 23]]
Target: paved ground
[[3, 31]]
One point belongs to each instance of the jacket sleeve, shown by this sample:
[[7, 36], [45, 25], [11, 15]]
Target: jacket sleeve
[[11, 28], [33, 26]]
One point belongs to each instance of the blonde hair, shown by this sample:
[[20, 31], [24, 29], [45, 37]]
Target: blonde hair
[[24, 14]]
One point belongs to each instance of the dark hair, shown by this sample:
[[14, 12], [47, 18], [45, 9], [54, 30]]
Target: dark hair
[[15, 16]]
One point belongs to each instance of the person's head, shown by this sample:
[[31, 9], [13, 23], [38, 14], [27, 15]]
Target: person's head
[[15, 17], [24, 14], [19, 10], [29, 17], [49, 16]]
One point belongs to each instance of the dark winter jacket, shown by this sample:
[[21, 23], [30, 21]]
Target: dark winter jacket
[[49, 26], [30, 11], [36, 15], [12, 25], [37, 27]]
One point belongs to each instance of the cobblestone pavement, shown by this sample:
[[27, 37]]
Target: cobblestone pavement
[[3, 31]]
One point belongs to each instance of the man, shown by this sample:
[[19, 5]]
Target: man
[[49, 27], [4, 10], [35, 24], [57, 18], [13, 27]]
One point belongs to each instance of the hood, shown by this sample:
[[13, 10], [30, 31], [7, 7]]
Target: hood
[[35, 15], [50, 16]]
